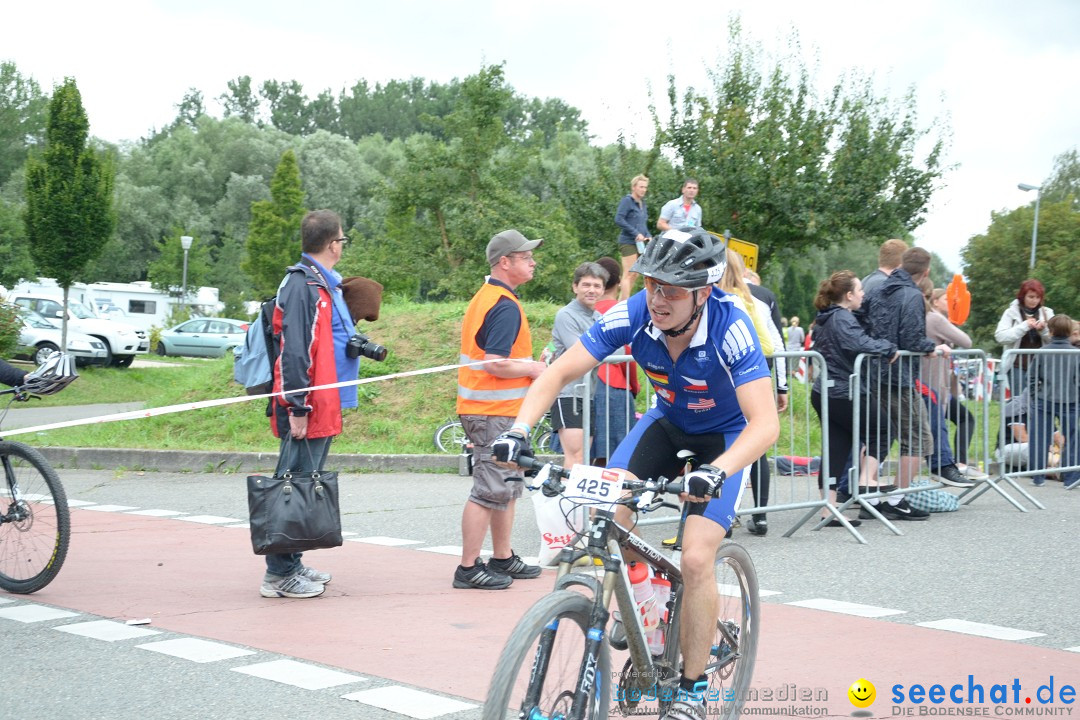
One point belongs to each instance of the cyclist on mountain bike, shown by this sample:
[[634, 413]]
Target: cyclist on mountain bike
[[698, 348]]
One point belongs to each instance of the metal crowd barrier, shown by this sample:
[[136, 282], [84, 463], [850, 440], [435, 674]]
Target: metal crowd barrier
[[1037, 434], [786, 475], [902, 420]]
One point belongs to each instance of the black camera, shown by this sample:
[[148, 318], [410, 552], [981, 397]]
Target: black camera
[[359, 344]]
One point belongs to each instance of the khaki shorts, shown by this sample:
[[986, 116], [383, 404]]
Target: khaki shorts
[[490, 488], [909, 421]]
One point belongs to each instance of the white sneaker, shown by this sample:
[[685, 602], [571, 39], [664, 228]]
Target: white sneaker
[[972, 472], [295, 586]]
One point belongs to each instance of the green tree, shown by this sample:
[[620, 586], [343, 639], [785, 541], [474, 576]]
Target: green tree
[[69, 189], [241, 101], [16, 262], [166, 273], [22, 118], [273, 241], [785, 168], [996, 262]]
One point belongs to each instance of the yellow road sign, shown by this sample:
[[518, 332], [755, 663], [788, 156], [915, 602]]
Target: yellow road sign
[[748, 251]]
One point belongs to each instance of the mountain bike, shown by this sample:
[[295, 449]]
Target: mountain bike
[[34, 522], [557, 661], [450, 436]]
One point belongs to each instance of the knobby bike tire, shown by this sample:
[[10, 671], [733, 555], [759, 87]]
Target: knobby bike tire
[[450, 437], [519, 652], [734, 567], [33, 548]]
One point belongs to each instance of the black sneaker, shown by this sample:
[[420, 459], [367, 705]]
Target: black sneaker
[[515, 567], [902, 511], [951, 475], [480, 577]]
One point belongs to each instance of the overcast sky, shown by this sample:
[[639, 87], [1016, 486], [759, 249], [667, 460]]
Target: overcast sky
[[1004, 75]]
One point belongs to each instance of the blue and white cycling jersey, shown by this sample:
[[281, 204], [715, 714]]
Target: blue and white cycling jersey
[[696, 392]]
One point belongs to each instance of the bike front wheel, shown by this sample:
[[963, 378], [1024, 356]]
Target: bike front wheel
[[541, 665], [450, 437], [35, 526], [731, 659]]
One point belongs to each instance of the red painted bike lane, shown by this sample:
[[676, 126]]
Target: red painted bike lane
[[390, 612]]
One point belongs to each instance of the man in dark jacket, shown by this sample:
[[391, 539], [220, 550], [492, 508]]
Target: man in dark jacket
[[895, 311], [312, 325]]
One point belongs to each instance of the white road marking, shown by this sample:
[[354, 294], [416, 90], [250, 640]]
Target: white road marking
[[196, 650], [406, 701], [298, 674], [981, 629], [34, 613], [846, 608], [106, 630]]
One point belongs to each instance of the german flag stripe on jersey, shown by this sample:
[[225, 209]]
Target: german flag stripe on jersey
[[657, 377]]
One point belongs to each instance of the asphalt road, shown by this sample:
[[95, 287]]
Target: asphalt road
[[987, 563]]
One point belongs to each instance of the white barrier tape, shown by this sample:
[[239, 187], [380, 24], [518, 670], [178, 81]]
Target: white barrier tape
[[169, 409]]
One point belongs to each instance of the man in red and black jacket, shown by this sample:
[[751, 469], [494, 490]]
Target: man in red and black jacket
[[312, 325]]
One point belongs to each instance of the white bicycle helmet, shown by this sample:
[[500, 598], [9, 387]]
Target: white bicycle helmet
[[51, 376]]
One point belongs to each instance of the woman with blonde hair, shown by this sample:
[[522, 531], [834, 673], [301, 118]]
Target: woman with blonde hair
[[632, 217], [769, 336]]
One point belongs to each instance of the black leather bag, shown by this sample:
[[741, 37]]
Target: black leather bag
[[293, 513]]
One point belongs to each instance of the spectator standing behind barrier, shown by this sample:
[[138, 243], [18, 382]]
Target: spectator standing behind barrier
[[683, 211], [889, 257], [577, 316], [616, 384], [632, 217], [840, 339], [495, 329], [771, 308], [313, 325], [795, 336], [1023, 326], [1055, 395], [941, 391], [896, 311], [770, 340]]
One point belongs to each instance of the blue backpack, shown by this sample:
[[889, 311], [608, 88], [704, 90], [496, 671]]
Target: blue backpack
[[253, 368]]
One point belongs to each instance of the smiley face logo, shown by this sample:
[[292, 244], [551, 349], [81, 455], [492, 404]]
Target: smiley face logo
[[862, 693]]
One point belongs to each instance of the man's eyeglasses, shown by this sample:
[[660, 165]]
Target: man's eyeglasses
[[344, 240], [668, 292], [527, 257]]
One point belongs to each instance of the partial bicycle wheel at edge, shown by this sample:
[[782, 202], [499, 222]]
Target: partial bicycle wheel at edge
[[513, 682], [35, 526], [737, 630], [450, 437]]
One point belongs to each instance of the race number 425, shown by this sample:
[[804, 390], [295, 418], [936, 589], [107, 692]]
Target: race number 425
[[594, 484]]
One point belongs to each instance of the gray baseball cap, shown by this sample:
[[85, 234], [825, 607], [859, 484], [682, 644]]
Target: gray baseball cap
[[509, 241]]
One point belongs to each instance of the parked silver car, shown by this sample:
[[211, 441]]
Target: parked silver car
[[39, 338], [202, 337]]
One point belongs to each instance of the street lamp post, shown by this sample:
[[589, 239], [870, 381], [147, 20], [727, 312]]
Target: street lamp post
[[185, 242], [1035, 227]]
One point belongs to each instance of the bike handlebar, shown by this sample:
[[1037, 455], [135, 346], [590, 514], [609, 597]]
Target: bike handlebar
[[553, 485]]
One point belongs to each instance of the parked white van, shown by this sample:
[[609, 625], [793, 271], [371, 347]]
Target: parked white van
[[122, 341]]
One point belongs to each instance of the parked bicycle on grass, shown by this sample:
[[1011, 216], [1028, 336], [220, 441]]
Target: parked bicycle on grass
[[34, 522]]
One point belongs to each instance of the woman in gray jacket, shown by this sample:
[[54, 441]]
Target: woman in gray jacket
[[1023, 326]]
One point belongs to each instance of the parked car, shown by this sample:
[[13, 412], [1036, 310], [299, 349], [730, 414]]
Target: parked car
[[39, 338], [203, 337], [122, 341]]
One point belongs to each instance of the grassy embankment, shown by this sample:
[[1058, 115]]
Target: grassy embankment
[[395, 416]]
